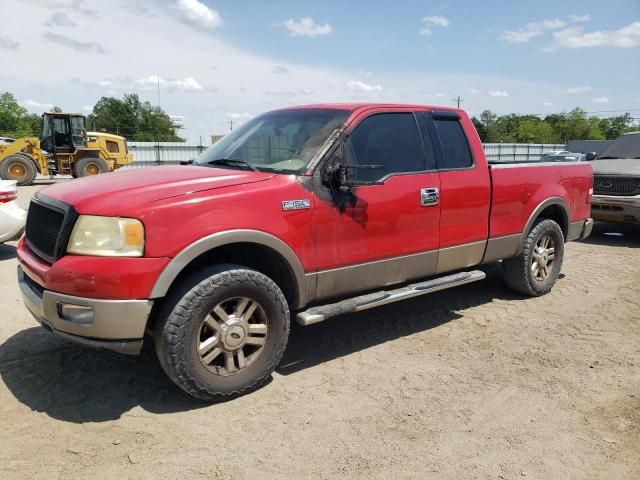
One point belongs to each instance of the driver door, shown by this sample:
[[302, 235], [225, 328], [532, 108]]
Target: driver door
[[388, 231]]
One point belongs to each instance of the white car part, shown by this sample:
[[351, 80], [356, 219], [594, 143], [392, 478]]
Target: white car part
[[12, 217]]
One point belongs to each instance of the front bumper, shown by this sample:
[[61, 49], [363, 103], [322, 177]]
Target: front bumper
[[610, 208], [116, 325]]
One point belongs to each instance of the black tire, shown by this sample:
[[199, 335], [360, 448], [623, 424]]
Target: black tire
[[180, 323], [19, 167], [519, 271], [86, 167]]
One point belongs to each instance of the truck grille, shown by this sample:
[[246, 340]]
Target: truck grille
[[603, 185], [48, 227]]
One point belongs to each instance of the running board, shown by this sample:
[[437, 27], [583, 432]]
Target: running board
[[372, 300]]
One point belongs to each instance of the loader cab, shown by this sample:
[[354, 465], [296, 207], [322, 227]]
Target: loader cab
[[63, 132]]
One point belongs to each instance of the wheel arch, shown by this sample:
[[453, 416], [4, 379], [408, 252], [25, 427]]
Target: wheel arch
[[555, 209], [252, 248]]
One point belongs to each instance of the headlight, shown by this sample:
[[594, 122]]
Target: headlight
[[107, 237]]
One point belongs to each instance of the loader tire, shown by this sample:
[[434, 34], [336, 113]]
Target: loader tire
[[19, 167], [86, 167]]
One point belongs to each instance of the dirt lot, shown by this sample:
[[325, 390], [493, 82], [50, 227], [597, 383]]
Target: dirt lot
[[470, 383]]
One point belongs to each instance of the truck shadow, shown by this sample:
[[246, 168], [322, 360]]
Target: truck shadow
[[614, 235], [76, 384], [341, 336], [7, 252]]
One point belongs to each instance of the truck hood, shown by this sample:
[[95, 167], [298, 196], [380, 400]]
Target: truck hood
[[617, 166], [104, 194]]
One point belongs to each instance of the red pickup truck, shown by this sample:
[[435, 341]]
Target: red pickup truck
[[316, 210]]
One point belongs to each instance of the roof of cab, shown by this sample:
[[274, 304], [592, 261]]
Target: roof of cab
[[352, 107]]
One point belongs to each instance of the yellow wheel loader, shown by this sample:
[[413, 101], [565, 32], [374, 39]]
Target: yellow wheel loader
[[66, 148]]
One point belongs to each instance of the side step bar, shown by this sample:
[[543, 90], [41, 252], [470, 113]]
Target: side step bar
[[372, 300]]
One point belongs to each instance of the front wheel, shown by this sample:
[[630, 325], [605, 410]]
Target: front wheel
[[225, 334], [535, 270]]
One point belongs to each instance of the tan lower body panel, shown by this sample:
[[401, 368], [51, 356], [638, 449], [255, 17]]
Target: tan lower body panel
[[460, 256], [381, 273], [500, 248], [391, 271]]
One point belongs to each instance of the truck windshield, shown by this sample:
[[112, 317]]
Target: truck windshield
[[283, 141]]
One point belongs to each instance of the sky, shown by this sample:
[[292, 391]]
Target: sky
[[218, 61]]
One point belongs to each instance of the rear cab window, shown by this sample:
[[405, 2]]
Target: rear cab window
[[456, 153]]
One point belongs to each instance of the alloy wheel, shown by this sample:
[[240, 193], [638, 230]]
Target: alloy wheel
[[232, 336]]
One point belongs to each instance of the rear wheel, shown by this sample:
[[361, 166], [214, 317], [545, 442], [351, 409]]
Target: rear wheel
[[536, 269], [225, 334], [19, 167], [86, 167]]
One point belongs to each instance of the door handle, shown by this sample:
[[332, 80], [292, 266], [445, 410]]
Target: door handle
[[429, 196]]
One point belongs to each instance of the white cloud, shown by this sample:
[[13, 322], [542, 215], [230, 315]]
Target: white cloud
[[87, 108], [60, 19], [280, 69], [574, 90], [498, 93], [473, 90], [538, 29], [105, 83], [8, 43], [547, 104], [579, 18], [436, 95], [363, 73], [187, 84], [434, 21], [198, 14], [575, 37], [306, 27], [36, 107], [238, 116], [359, 86], [601, 100]]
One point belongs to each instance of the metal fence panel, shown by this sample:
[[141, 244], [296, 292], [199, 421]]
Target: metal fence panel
[[170, 153], [518, 152]]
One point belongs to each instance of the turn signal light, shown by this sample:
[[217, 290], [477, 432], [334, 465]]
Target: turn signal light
[[6, 197]]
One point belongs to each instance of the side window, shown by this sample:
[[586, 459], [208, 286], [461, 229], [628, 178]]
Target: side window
[[454, 143], [388, 139]]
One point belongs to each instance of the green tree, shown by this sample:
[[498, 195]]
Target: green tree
[[136, 120], [613, 127], [13, 117], [480, 128], [488, 119], [535, 130]]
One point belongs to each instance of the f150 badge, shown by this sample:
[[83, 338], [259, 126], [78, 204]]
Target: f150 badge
[[295, 204]]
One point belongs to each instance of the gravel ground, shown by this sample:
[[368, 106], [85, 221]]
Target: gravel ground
[[473, 382]]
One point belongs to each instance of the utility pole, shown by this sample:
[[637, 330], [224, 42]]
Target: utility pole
[[158, 84], [458, 100], [231, 125]]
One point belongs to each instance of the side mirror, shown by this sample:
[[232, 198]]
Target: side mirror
[[335, 175], [591, 156], [187, 162]]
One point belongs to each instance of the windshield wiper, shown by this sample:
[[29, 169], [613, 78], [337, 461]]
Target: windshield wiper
[[233, 162]]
